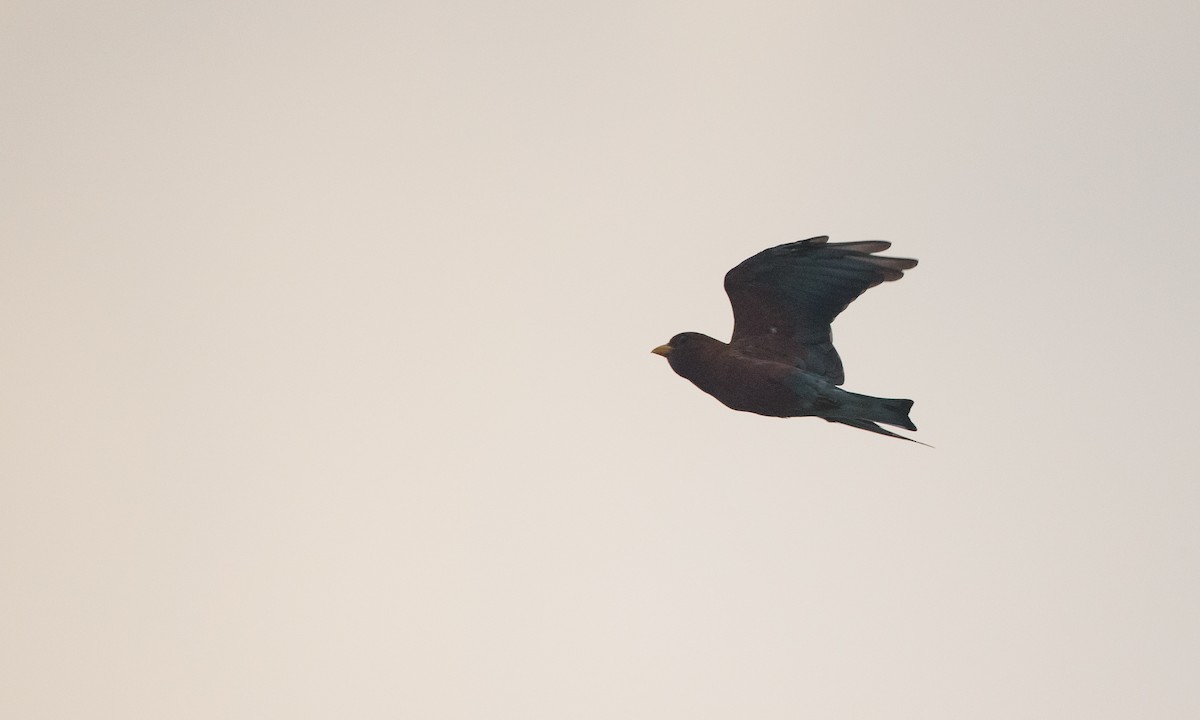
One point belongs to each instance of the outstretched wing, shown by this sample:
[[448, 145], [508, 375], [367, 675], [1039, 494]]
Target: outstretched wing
[[785, 298]]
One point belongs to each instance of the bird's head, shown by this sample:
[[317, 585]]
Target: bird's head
[[688, 351]]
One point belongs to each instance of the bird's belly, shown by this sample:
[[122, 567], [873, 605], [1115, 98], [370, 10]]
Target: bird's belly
[[769, 399]]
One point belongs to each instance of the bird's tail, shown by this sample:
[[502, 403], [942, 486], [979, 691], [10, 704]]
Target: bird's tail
[[893, 412], [872, 427], [864, 411], [826, 400]]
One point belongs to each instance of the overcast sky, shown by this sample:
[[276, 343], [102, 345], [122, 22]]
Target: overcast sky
[[327, 392]]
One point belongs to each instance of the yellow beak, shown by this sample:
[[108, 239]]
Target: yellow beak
[[663, 350]]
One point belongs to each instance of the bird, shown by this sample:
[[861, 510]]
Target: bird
[[780, 361]]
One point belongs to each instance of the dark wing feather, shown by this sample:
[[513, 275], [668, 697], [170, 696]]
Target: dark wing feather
[[785, 298]]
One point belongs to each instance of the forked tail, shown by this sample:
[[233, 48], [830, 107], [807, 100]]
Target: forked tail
[[894, 412], [872, 427], [870, 410]]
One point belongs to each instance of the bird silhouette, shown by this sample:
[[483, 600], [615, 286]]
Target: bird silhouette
[[781, 361]]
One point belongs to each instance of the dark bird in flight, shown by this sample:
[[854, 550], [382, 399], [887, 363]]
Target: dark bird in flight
[[781, 361]]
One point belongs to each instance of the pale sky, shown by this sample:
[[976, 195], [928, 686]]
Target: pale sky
[[327, 392]]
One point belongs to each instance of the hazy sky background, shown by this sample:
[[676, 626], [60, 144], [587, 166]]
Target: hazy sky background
[[327, 389]]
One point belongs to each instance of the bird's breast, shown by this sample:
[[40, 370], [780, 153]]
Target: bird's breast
[[745, 384]]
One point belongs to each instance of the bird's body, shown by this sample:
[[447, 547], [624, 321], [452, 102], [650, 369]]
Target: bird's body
[[781, 361]]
